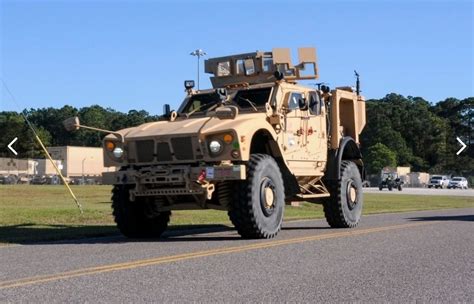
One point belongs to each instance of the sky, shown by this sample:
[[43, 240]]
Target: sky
[[135, 54]]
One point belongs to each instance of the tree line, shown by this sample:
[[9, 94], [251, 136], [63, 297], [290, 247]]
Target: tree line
[[400, 131]]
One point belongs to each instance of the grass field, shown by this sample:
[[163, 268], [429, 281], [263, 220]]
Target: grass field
[[42, 213]]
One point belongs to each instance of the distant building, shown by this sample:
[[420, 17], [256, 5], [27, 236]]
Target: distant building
[[17, 166], [80, 161]]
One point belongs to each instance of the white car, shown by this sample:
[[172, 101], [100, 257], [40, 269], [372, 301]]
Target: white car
[[439, 181], [458, 182]]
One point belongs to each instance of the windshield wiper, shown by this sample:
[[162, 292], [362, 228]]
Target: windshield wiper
[[249, 102], [211, 104]]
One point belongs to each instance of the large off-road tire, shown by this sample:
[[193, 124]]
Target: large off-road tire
[[137, 219], [259, 202], [400, 188], [343, 208]]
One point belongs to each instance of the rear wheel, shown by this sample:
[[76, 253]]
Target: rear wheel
[[343, 208], [400, 188], [258, 204], [138, 219]]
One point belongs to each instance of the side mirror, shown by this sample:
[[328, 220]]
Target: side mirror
[[71, 124], [166, 110], [303, 104]]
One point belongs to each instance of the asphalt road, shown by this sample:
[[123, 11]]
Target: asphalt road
[[420, 256], [423, 191]]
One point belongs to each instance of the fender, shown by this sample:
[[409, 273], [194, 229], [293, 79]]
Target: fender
[[264, 141], [348, 149]]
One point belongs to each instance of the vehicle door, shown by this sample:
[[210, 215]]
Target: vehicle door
[[293, 140], [315, 128]]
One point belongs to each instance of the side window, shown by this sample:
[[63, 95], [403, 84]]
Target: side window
[[194, 105], [223, 68], [293, 102], [315, 103], [240, 67], [249, 67], [267, 64], [284, 69], [245, 67]]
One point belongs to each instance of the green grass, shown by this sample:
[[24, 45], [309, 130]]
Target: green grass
[[42, 213]]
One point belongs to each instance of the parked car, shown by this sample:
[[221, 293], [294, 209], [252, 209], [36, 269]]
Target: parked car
[[458, 182], [24, 179], [8, 179], [38, 180], [439, 181]]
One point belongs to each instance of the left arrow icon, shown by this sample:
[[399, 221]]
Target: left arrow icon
[[10, 145]]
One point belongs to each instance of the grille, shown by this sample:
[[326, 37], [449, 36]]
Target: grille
[[182, 148], [163, 152], [145, 150]]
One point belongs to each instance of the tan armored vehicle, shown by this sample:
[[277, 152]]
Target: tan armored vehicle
[[252, 143]]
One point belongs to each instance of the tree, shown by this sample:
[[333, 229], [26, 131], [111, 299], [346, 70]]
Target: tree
[[378, 157]]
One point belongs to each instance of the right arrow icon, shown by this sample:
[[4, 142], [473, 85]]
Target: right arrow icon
[[462, 144]]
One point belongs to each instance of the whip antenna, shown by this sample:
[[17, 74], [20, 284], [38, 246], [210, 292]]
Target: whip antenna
[[46, 153]]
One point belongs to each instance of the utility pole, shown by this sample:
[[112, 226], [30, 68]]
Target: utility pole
[[198, 53]]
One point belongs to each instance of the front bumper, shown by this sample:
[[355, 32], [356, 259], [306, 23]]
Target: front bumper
[[171, 180]]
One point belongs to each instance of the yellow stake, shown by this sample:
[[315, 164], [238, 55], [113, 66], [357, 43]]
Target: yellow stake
[[59, 173], [42, 146]]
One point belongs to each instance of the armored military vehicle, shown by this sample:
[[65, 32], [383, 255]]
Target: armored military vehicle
[[255, 141], [390, 180]]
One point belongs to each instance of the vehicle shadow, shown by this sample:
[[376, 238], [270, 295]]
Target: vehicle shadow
[[34, 234], [463, 218]]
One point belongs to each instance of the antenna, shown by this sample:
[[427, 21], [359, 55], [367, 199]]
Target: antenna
[[357, 83], [46, 153]]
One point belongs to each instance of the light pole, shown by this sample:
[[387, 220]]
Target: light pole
[[198, 53], [83, 178]]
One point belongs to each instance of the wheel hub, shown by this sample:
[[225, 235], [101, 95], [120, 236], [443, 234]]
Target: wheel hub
[[351, 194], [267, 196]]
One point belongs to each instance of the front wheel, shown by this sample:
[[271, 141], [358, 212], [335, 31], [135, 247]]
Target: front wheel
[[138, 219], [343, 209], [258, 205]]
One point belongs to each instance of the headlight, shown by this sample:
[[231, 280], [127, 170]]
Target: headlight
[[118, 152], [215, 147]]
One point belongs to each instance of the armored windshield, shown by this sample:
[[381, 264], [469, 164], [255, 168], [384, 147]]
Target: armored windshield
[[200, 103], [256, 97], [244, 99]]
